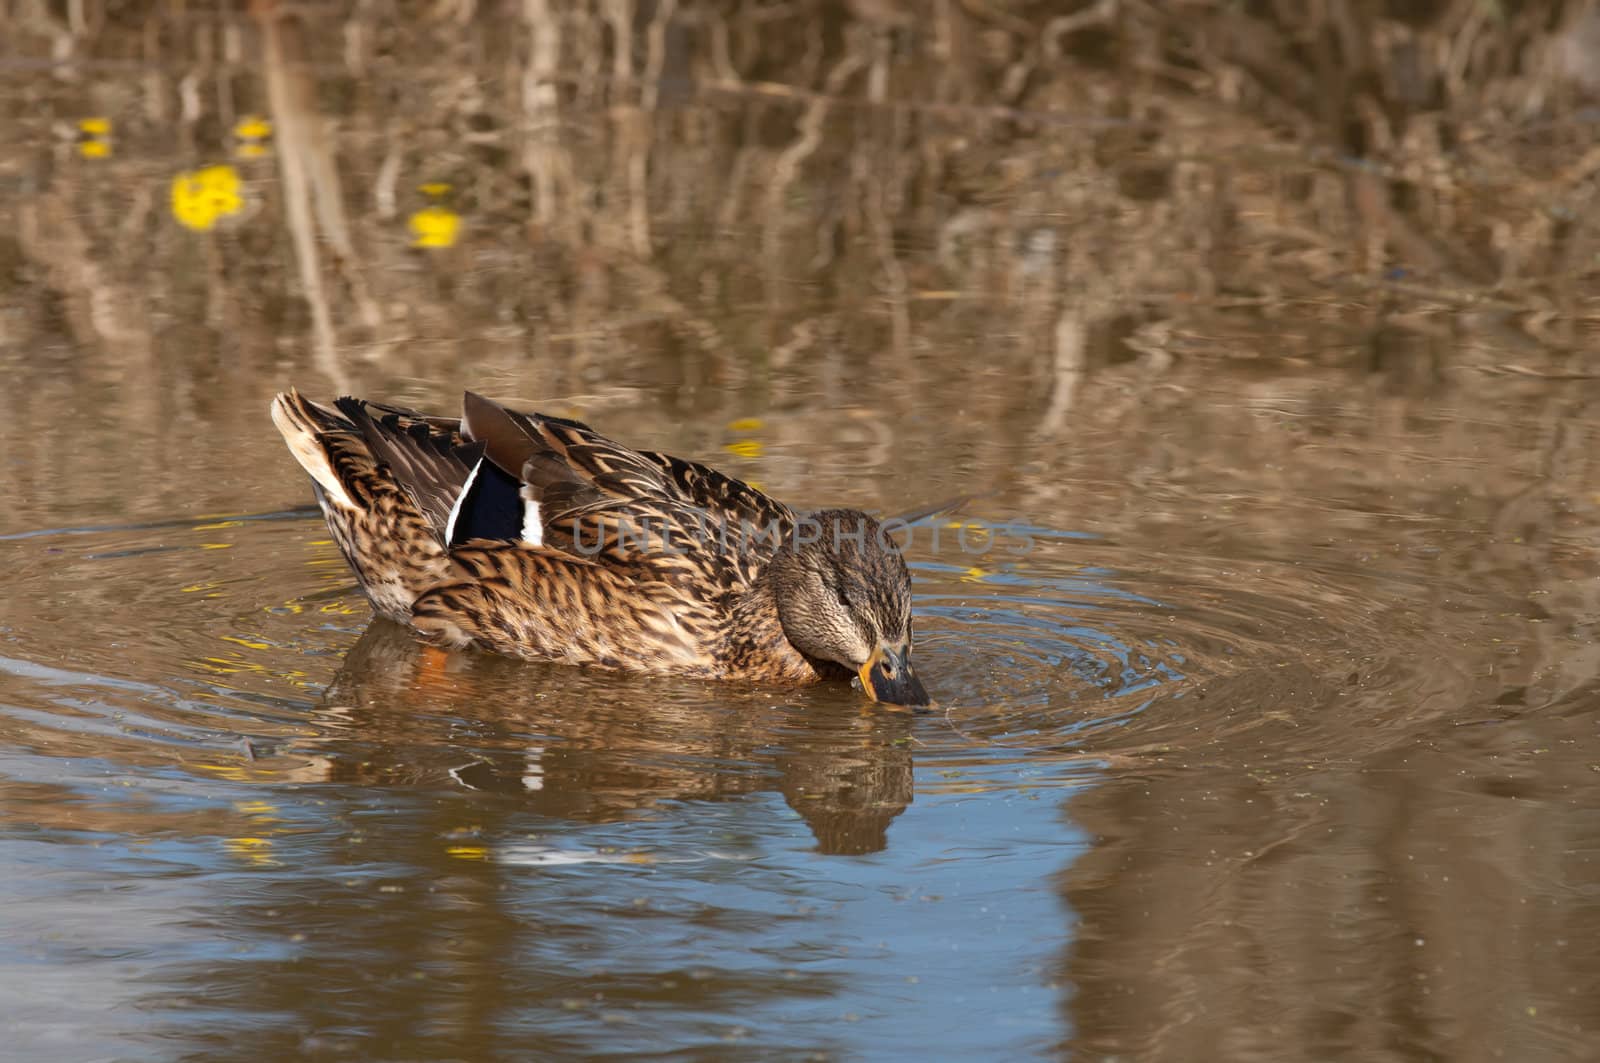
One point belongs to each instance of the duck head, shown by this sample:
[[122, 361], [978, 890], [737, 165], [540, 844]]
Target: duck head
[[844, 595]]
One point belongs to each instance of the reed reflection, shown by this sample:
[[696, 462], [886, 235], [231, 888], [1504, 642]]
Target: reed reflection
[[1410, 906]]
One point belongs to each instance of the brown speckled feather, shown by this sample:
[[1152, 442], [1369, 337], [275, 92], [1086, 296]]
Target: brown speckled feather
[[645, 561], [585, 456]]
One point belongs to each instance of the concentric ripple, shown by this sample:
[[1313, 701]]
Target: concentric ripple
[[1081, 646]]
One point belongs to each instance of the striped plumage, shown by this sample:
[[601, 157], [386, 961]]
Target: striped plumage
[[536, 537]]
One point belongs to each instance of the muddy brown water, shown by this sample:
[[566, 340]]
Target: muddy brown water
[[1265, 656]]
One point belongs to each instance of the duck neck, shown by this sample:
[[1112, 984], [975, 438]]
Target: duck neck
[[757, 646]]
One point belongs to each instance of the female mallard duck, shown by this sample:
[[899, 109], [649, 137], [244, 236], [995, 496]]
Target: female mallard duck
[[537, 537]]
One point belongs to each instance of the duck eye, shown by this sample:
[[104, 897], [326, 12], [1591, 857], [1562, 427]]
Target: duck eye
[[844, 596]]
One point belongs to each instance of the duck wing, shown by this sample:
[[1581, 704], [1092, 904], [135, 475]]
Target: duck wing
[[652, 514], [501, 474], [734, 500], [446, 476]]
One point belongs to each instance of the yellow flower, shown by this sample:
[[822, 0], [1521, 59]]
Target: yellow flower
[[435, 227], [95, 127], [252, 151], [253, 127], [201, 198], [435, 188], [94, 149], [745, 448], [746, 424]]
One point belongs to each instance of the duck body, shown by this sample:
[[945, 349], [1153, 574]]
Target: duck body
[[536, 537]]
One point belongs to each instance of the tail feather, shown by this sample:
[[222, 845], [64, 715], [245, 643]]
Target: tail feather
[[393, 548], [308, 429]]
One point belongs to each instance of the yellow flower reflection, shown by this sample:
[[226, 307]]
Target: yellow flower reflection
[[251, 850], [253, 127], [435, 226], [252, 132], [201, 198], [96, 142]]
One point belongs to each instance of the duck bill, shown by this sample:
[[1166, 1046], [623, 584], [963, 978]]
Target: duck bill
[[887, 677]]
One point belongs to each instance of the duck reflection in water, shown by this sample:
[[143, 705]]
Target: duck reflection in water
[[597, 747]]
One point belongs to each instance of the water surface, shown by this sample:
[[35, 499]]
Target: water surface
[[1264, 654]]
